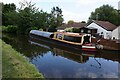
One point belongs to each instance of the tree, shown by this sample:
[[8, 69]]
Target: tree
[[25, 20], [30, 17], [9, 14], [70, 22], [83, 22], [9, 7], [26, 16], [106, 13], [10, 18], [41, 20], [55, 18]]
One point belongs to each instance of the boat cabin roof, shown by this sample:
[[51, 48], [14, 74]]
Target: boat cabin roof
[[73, 34]]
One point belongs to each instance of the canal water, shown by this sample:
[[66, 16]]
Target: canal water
[[58, 62]]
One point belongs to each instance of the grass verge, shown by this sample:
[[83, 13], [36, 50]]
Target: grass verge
[[14, 64]]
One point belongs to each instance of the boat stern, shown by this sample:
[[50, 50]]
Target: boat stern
[[89, 47]]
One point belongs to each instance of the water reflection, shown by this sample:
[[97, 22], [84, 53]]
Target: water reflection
[[60, 50], [21, 44], [59, 62], [70, 55]]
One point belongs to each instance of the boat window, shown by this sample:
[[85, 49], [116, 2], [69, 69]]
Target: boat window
[[72, 38], [58, 36], [52, 35], [86, 39]]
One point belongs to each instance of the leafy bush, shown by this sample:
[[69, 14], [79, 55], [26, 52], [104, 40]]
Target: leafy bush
[[9, 29], [31, 28], [4, 28], [41, 29], [72, 30], [0, 28], [52, 30], [75, 30], [69, 29]]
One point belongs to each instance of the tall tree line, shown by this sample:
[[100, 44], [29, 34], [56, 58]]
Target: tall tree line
[[106, 13], [29, 17]]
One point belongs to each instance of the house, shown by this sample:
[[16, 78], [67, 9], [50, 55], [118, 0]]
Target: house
[[116, 33], [88, 30], [76, 25], [62, 28], [101, 28]]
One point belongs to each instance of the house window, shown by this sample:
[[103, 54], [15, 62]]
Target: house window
[[72, 38], [113, 38], [82, 31], [107, 36], [101, 33], [89, 31]]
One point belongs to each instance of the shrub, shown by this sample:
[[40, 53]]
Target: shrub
[[4, 28], [52, 30], [76, 30], [72, 30], [9, 29], [31, 28], [69, 29], [41, 29]]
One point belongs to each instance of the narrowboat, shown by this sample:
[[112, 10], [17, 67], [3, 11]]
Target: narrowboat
[[76, 41]]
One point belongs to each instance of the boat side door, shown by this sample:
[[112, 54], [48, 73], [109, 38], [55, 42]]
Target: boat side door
[[59, 36], [86, 39]]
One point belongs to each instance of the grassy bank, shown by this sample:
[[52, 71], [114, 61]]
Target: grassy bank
[[14, 65]]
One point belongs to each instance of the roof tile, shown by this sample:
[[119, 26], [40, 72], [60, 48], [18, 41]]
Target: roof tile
[[106, 25]]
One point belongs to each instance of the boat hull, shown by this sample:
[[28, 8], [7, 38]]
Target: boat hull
[[54, 42], [62, 44], [89, 48]]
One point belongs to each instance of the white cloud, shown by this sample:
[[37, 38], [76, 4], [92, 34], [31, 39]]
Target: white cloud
[[94, 1], [68, 15], [77, 17], [52, 0], [119, 5], [11, 1], [85, 2]]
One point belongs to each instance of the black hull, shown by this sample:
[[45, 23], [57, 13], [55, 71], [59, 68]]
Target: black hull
[[65, 45], [56, 43]]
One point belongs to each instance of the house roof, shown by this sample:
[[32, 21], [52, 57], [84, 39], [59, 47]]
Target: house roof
[[77, 25], [74, 25], [117, 27], [106, 25], [64, 25]]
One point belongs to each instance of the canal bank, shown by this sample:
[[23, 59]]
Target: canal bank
[[14, 65]]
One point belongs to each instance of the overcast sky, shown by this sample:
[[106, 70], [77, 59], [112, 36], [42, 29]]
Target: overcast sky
[[76, 10]]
